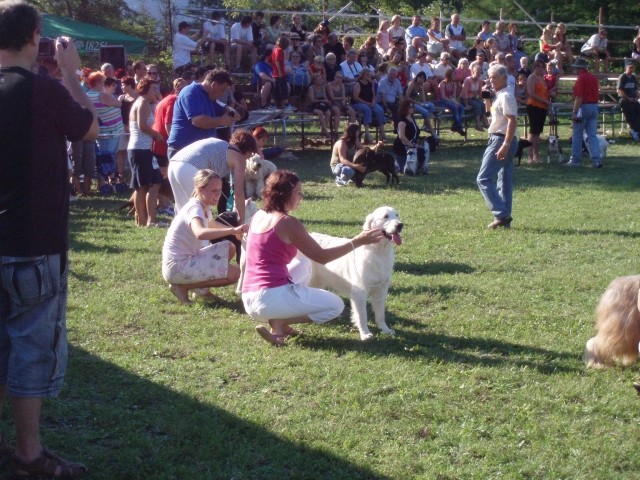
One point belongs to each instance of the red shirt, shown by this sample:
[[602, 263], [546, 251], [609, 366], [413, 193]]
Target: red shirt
[[277, 60], [163, 116], [586, 87]]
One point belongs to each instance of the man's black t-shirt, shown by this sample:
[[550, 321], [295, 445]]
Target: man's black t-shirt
[[37, 115]]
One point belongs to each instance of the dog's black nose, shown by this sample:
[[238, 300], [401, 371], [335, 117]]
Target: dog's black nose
[[399, 227]]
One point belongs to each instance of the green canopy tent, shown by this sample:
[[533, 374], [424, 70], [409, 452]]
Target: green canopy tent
[[89, 38]]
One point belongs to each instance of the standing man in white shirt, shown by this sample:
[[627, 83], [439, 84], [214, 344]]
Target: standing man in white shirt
[[242, 41], [183, 45], [497, 162]]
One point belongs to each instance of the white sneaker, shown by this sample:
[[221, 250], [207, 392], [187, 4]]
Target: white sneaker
[[289, 108], [340, 182]]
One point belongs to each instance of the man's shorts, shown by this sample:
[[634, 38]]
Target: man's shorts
[[33, 333]]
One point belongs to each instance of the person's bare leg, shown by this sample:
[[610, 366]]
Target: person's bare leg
[[151, 202], [140, 202], [26, 412]]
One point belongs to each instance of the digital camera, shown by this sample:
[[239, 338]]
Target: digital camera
[[47, 48]]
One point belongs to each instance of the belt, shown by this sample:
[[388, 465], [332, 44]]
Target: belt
[[497, 134], [589, 103]]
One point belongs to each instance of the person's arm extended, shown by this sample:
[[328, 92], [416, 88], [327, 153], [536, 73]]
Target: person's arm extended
[[110, 100], [342, 155], [239, 167], [208, 233], [291, 229], [207, 121], [69, 62]]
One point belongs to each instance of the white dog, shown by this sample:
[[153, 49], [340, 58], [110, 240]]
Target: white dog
[[256, 172], [364, 273], [554, 148], [602, 142]]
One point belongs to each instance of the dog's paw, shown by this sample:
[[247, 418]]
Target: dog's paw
[[365, 336], [388, 331]]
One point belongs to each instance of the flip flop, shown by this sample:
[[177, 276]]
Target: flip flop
[[292, 332], [273, 339]]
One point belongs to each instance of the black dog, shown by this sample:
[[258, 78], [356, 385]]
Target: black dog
[[522, 144], [375, 160]]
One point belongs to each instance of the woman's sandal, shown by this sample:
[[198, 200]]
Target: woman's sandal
[[47, 465], [276, 339]]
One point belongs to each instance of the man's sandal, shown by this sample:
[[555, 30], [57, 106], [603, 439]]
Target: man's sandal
[[47, 465]]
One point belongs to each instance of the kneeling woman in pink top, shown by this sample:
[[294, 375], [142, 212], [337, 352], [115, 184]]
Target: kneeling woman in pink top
[[269, 291]]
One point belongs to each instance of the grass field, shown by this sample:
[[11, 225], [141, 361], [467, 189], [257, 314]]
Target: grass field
[[483, 379]]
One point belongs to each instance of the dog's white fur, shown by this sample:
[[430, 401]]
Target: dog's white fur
[[411, 165], [256, 171], [618, 325], [602, 142], [364, 273], [554, 148]]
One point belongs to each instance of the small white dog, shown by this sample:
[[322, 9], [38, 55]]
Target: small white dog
[[256, 172], [364, 273], [554, 148], [602, 142]]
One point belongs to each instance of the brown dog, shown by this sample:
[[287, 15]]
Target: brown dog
[[618, 325]]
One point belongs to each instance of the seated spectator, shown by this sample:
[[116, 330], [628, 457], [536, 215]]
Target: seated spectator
[[415, 30], [596, 49], [408, 134], [294, 46], [396, 31], [421, 65], [627, 88], [635, 49], [371, 52], [298, 77], [263, 78], [331, 66], [336, 93], [524, 66], [414, 49], [298, 28], [461, 72], [547, 40], [481, 62], [398, 46], [183, 45], [318, 102], [447, 98], [437, 42], [257, 31], [335, 47], [216, 39], [564, 55], [389, 94], [382, 38], [491, 49], [268, 153], [485, 32], [457, 36], [364, 61], [501, 37], [442, 67], [342, 154], [186, 264], [273, 31], [515, 42], [417, 93], [396, 62], [478, 45], [242, 41], [347, 42], [471, 95], [324, 31], [364, 102], [521, 90], [314, 50], [317, 66], [351, 69]]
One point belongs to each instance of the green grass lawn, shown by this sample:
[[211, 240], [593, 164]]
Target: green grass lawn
[[483, 379]]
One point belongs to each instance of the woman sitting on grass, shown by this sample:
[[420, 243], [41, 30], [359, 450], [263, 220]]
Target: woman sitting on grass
[[344, 150], [270, 292], [186, 264]]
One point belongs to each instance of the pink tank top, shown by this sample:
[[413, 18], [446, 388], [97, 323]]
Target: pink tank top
[[267, 260]]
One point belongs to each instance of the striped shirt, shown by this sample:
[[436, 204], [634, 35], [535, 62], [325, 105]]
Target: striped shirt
[[209, 153], [110, 118]]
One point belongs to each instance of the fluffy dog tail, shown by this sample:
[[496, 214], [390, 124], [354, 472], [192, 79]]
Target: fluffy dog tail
[[618, 325]]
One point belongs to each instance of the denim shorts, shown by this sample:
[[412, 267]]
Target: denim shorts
[[33, 334]]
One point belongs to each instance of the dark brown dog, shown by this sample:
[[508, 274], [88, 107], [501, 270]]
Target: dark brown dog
[[376, 160]]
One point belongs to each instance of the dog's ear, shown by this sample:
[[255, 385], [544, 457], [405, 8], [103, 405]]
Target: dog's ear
[[367, 222]]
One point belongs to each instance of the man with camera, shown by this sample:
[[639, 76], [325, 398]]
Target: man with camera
[[37, 116]]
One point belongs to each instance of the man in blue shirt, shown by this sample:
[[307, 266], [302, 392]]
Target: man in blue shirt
[[389, 94], [197, 114]]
